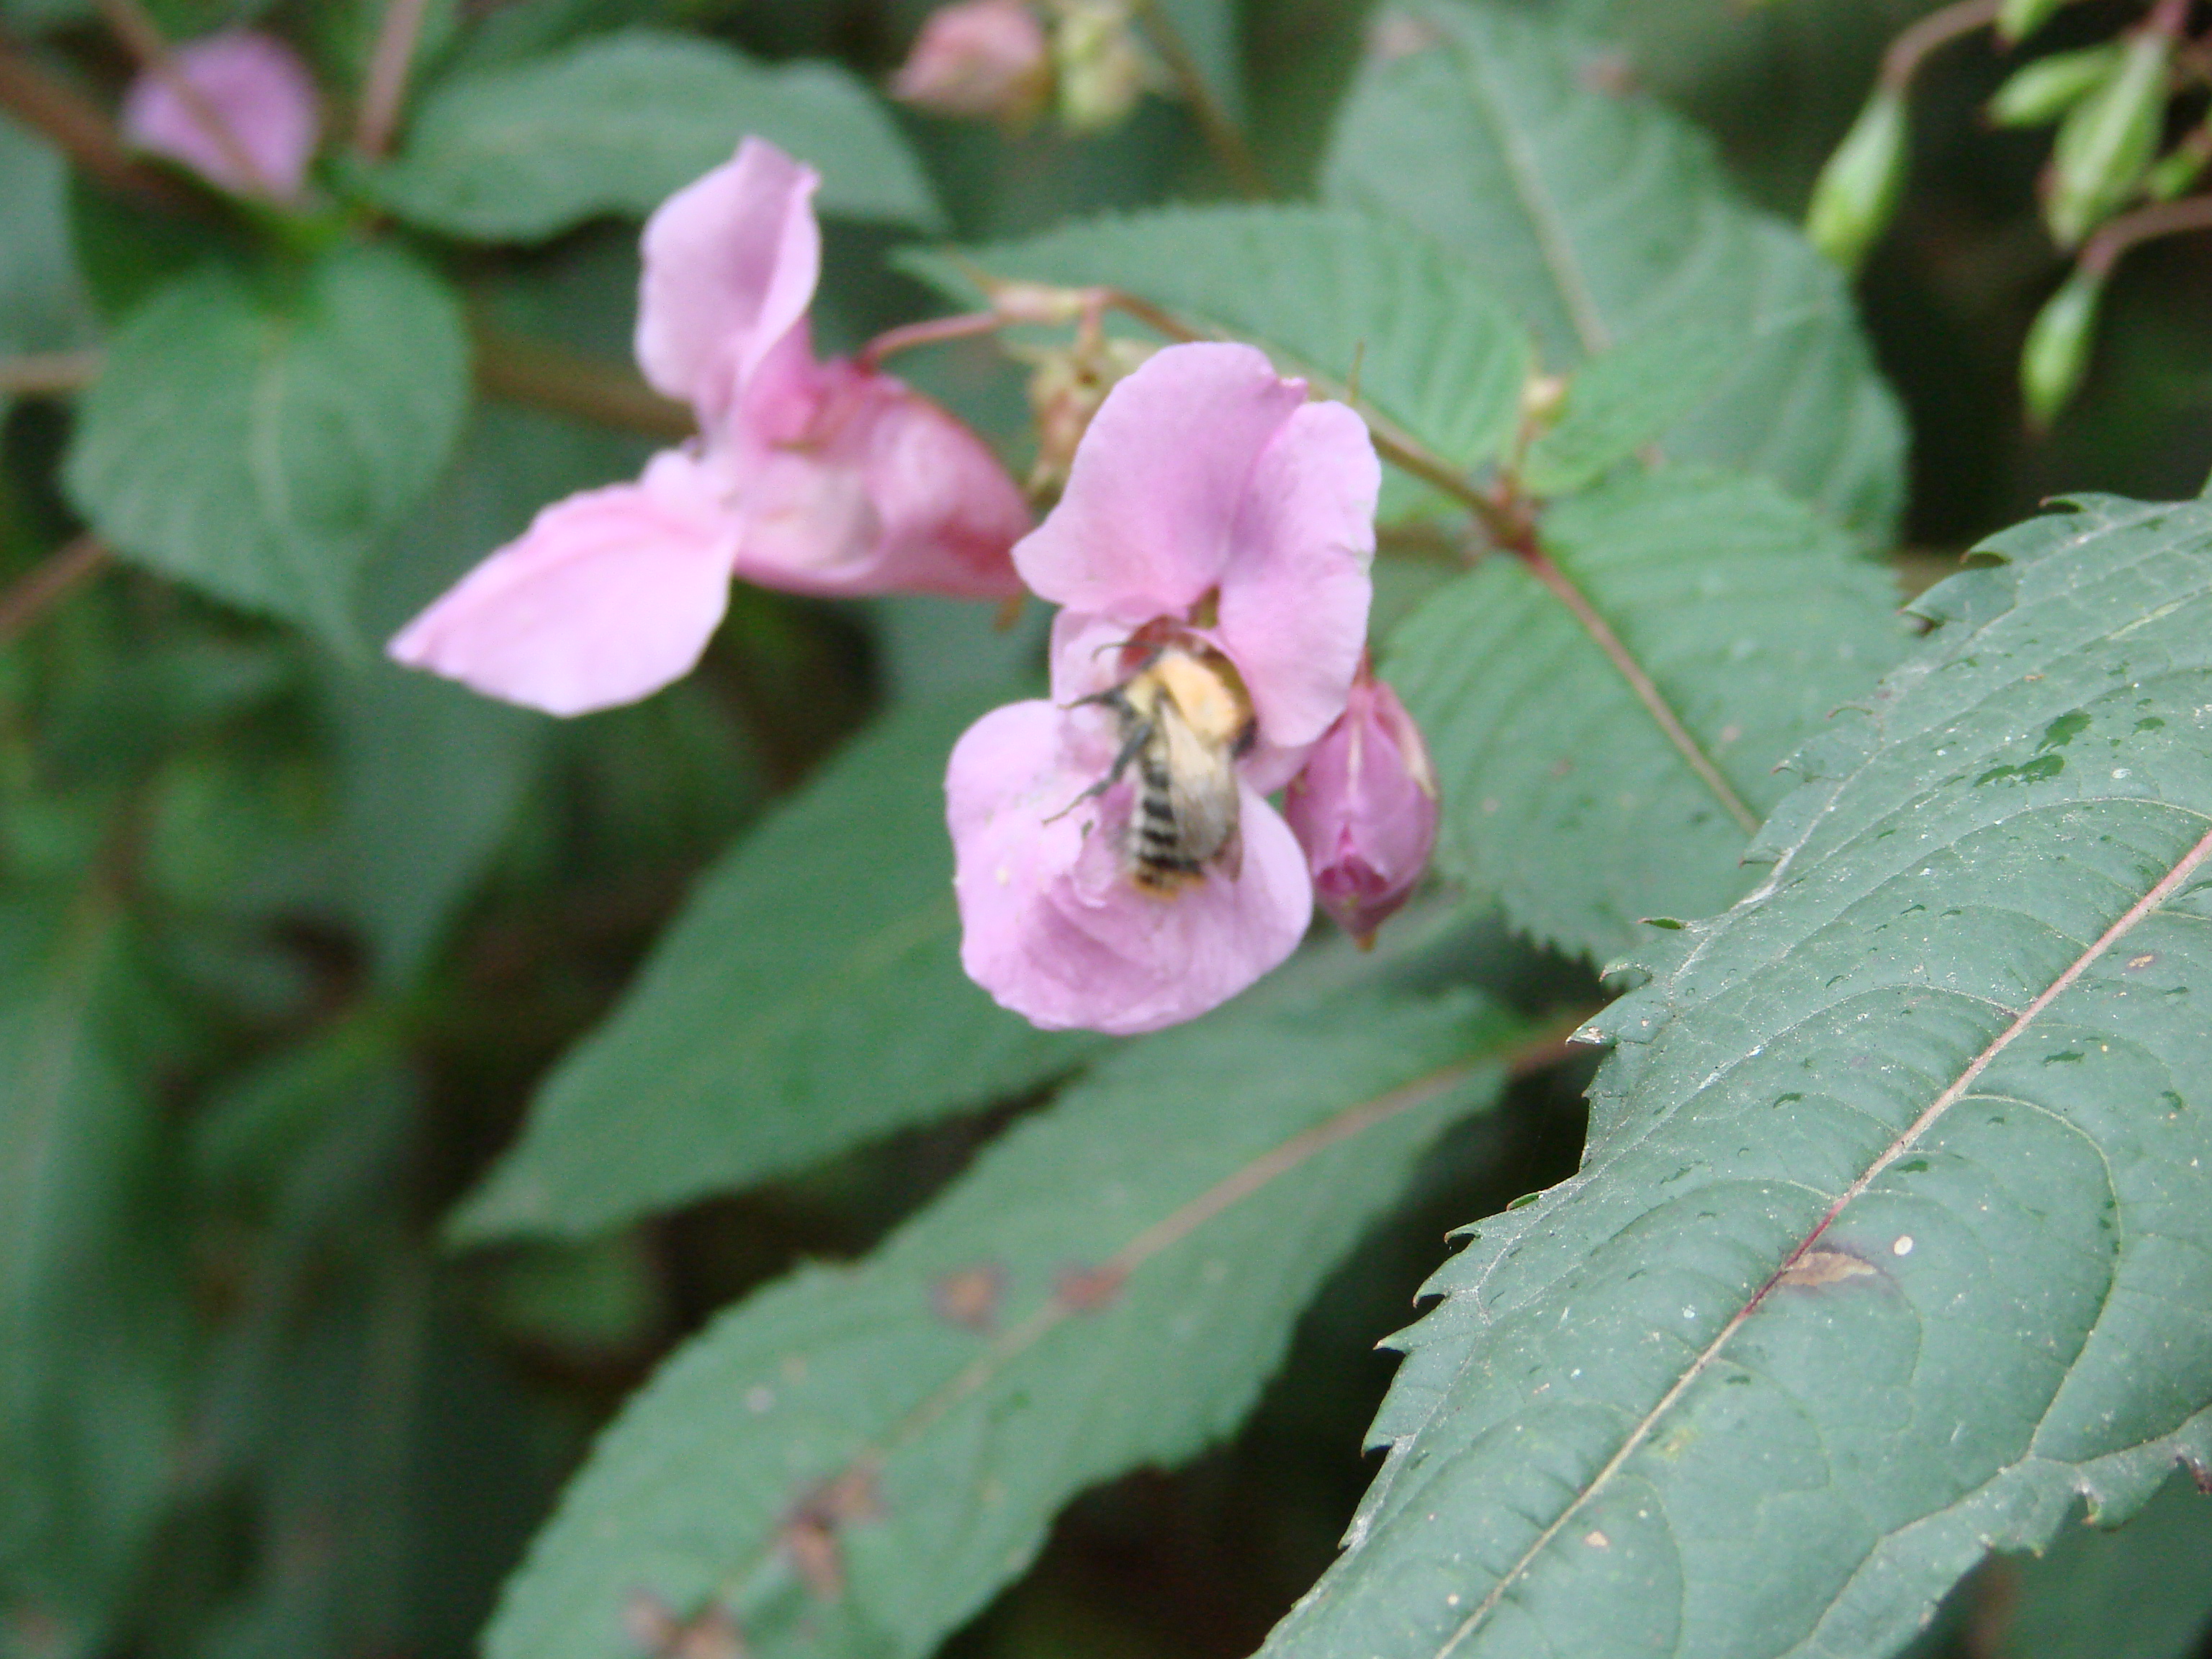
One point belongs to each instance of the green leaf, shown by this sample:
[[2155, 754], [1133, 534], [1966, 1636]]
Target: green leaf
[[431, 775], [614, 124], [1566, 794], [2139, 1592], [1109, 1286], [257, 439], [1208, 29], [87, 1311], [1599, 217], [1625, 399], [42, 301], [809, 998], [1889, 1241], [1326, 292]]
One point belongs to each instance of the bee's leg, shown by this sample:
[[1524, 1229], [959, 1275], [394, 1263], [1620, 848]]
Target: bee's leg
[[1131, 747]]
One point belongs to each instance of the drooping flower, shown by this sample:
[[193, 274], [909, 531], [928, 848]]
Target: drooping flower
[[1215, 518], [816, 478], [984, 58], [257, 88], [1364, 809]]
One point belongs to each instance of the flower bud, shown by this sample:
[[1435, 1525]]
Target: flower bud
[[1103, 67], [1364, 810], [1042, 302], [251, 126], [2108, 141], [986, 58], [1543, 399], [1065, 390], [2056, 358], [1858, 190], [2047, 88], [2173, 173], [2018, 19]]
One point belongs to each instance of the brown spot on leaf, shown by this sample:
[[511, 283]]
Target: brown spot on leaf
[[2144, 960], [1612, 73], [816, 1556], [1086, 1290], [711, 1634], [1561, 766], [809, 1537], [970, 1296], [1816, 1268]]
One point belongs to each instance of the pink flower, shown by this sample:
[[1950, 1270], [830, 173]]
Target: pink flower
[[262, 95], [979, 57], [1214, 539], [1364, 809], [824, 478]]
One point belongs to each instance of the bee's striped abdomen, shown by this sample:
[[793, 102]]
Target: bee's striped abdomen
[[1158, 855]]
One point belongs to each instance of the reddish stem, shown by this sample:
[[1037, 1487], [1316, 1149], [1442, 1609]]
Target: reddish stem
[[142, 36], [33, 593], [386, 88]]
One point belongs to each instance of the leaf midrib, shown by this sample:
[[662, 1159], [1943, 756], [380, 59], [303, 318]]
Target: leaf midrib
[[1550, 231], [1249, 1178], [1642, 1429]]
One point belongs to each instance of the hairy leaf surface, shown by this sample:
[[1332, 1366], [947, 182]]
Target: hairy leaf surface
[[810, 997], [1565, 793], [255, 436], [613, 124], [1599, 216], [1892, 1234], [1329, 294], [853, 1460]]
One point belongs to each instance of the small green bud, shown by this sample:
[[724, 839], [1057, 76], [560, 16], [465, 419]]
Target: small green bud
[[2056, 358], [2018, 19], [1103, 67], [1858, 190], [2108, 142], [2048, 88], [2177, 169]]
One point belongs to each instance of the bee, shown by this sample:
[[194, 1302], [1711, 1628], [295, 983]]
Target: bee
[[1185, 721]]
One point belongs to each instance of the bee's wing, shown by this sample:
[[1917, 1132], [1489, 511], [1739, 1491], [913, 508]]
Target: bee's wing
[[1202, 793]]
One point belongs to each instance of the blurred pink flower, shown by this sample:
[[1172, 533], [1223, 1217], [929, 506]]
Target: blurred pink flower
[[1213, 514], [266, 98], [985, 58], [825, 479], [1364, 809]]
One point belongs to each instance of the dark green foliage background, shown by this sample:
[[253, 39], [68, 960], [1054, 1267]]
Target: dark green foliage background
[[296, 938]]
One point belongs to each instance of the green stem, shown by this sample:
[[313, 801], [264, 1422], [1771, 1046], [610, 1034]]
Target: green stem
[[1222, 134]]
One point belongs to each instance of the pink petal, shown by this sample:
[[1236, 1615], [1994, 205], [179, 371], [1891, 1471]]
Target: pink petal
[[1159, 483], [263, 93], [608, 596], [952, 513], [730, 262], [1294, 597], [1051, 928], [1366, 810], [870, 488]]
